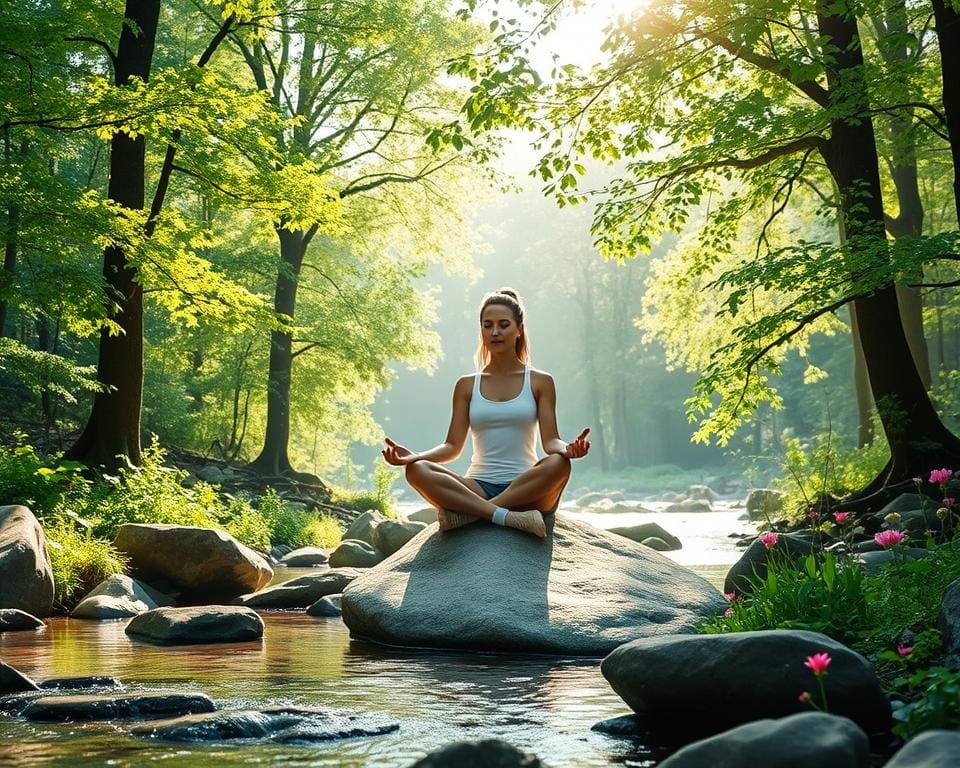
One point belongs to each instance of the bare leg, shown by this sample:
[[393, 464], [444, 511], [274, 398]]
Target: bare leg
[[539, 487]]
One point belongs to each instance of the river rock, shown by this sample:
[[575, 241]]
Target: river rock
[[753, 562], [948, 622], [364, 528], [201, 624], [278, 724], [689, 506], [327, 607], [14, 681], [598, 497], [354, 553], [394, 534], [806, 739], [764, 503], [80, 683], [305, 557], [301, 591], [705, 684], [931, 749], [702, 493], [15, 620], [427, 515], [119, 597], [279, 551], [655, 542], [26, 578], [203, 565], [580, 591], [122, 706], [489, 753], [645, 531]]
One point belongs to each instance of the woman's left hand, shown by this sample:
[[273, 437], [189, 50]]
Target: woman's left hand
[[579, 447]]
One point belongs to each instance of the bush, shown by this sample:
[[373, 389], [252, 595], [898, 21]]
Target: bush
[[40, 484], [378, 498], [297, 528], [246, 524], [79, 560]]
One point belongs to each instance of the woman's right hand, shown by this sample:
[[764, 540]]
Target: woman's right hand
[[396, 454]]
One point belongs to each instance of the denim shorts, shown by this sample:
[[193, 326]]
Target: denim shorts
[[491, 488]]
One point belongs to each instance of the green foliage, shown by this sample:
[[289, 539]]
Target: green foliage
[[41, 484], [79, 560], [938, 704], [246, 524], [297, 528]]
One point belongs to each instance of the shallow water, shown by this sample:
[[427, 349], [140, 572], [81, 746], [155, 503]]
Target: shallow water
[[541, 704]]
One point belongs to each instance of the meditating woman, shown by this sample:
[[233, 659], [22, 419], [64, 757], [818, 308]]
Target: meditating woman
[[502, 404]]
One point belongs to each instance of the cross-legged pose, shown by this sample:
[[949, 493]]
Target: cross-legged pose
[[502, 405]]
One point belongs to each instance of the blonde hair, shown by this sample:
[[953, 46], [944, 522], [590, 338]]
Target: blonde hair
[[506, 297]]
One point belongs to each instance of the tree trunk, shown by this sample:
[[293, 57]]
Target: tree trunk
[[861, 383], [918, 439], [274, 458], [9, 245], [948, 36], [113, 429]]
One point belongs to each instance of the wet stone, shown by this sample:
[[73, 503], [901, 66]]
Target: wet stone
[[202, 624], [15, 620], [327, 607], [81, 683], [14, 681], [128, 706], [277, 724]]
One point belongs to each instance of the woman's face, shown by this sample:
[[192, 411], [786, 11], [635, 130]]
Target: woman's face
[[498, 330]]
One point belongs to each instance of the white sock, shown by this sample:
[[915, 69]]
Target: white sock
[[499, 516]]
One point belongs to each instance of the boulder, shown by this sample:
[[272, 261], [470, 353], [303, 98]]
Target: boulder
[[489, 753], [327, 607], [689, 506], [26, 578], [705, 684], [15, 620], [655, 542], [909, 502], [201, 565], [806, 739], [931, 749], [302, 591], [393, 534], [211, 474], [279, 551], [119, 597], [364, 528], [80, 683], [580, 591], [645, 531], [283, 725], [305, 557], [353, 553], [948, 622], [427, 515], [753, 562], [13, 681], [763, 503], [702, 493], [918, 514], [122, 706], [202, 624]]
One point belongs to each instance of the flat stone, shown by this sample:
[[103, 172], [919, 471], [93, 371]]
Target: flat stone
[[931, 749], [201, 624], [489, 753], [15, 620], [305, 557], [354, 553], [26, 577], [81, 683], [806, 739], [302, 591], [14, 681], [124, 706], [581, 591], [326, 607], [278, 724], [119, 597]]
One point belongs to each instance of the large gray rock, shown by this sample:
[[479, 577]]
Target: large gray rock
[[200, 565], [707, 683], [364, 528], [326, 607], [305, 557], [489, 753], [645, 531], [581, 591], [689, 506], [764, 503], [15, 620], [14, 681], [119, 597], [202, 624], [121, 706], [931, 749], [948, 622], [393, 534], [753, 562], [283, 725], [26, 578], [302, 591], [354, 553], [798, 741]]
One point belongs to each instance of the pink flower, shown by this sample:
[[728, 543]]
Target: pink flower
[[904, 650], [887, 539], [804, 697], [769, 540], [841, 517], [813, 514], [818, 663], [728, 613], [729, 596], [949, 501], [940, 476]]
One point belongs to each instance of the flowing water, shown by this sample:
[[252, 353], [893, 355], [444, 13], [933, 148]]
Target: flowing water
[[541, 704]]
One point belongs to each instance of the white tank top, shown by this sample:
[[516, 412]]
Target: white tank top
[[504, 434]]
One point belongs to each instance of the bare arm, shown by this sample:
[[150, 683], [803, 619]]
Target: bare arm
[[546, 393], [451, 448]]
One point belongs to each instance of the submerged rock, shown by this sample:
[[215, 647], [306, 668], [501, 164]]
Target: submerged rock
[[302, 591], [15, 620], [202, 565], [14, 681], [124, 706], [704, 684], [26, 577], [278, 724], [580, 591], [806, 739], [119, 597], [202, 624], [489, 753]]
